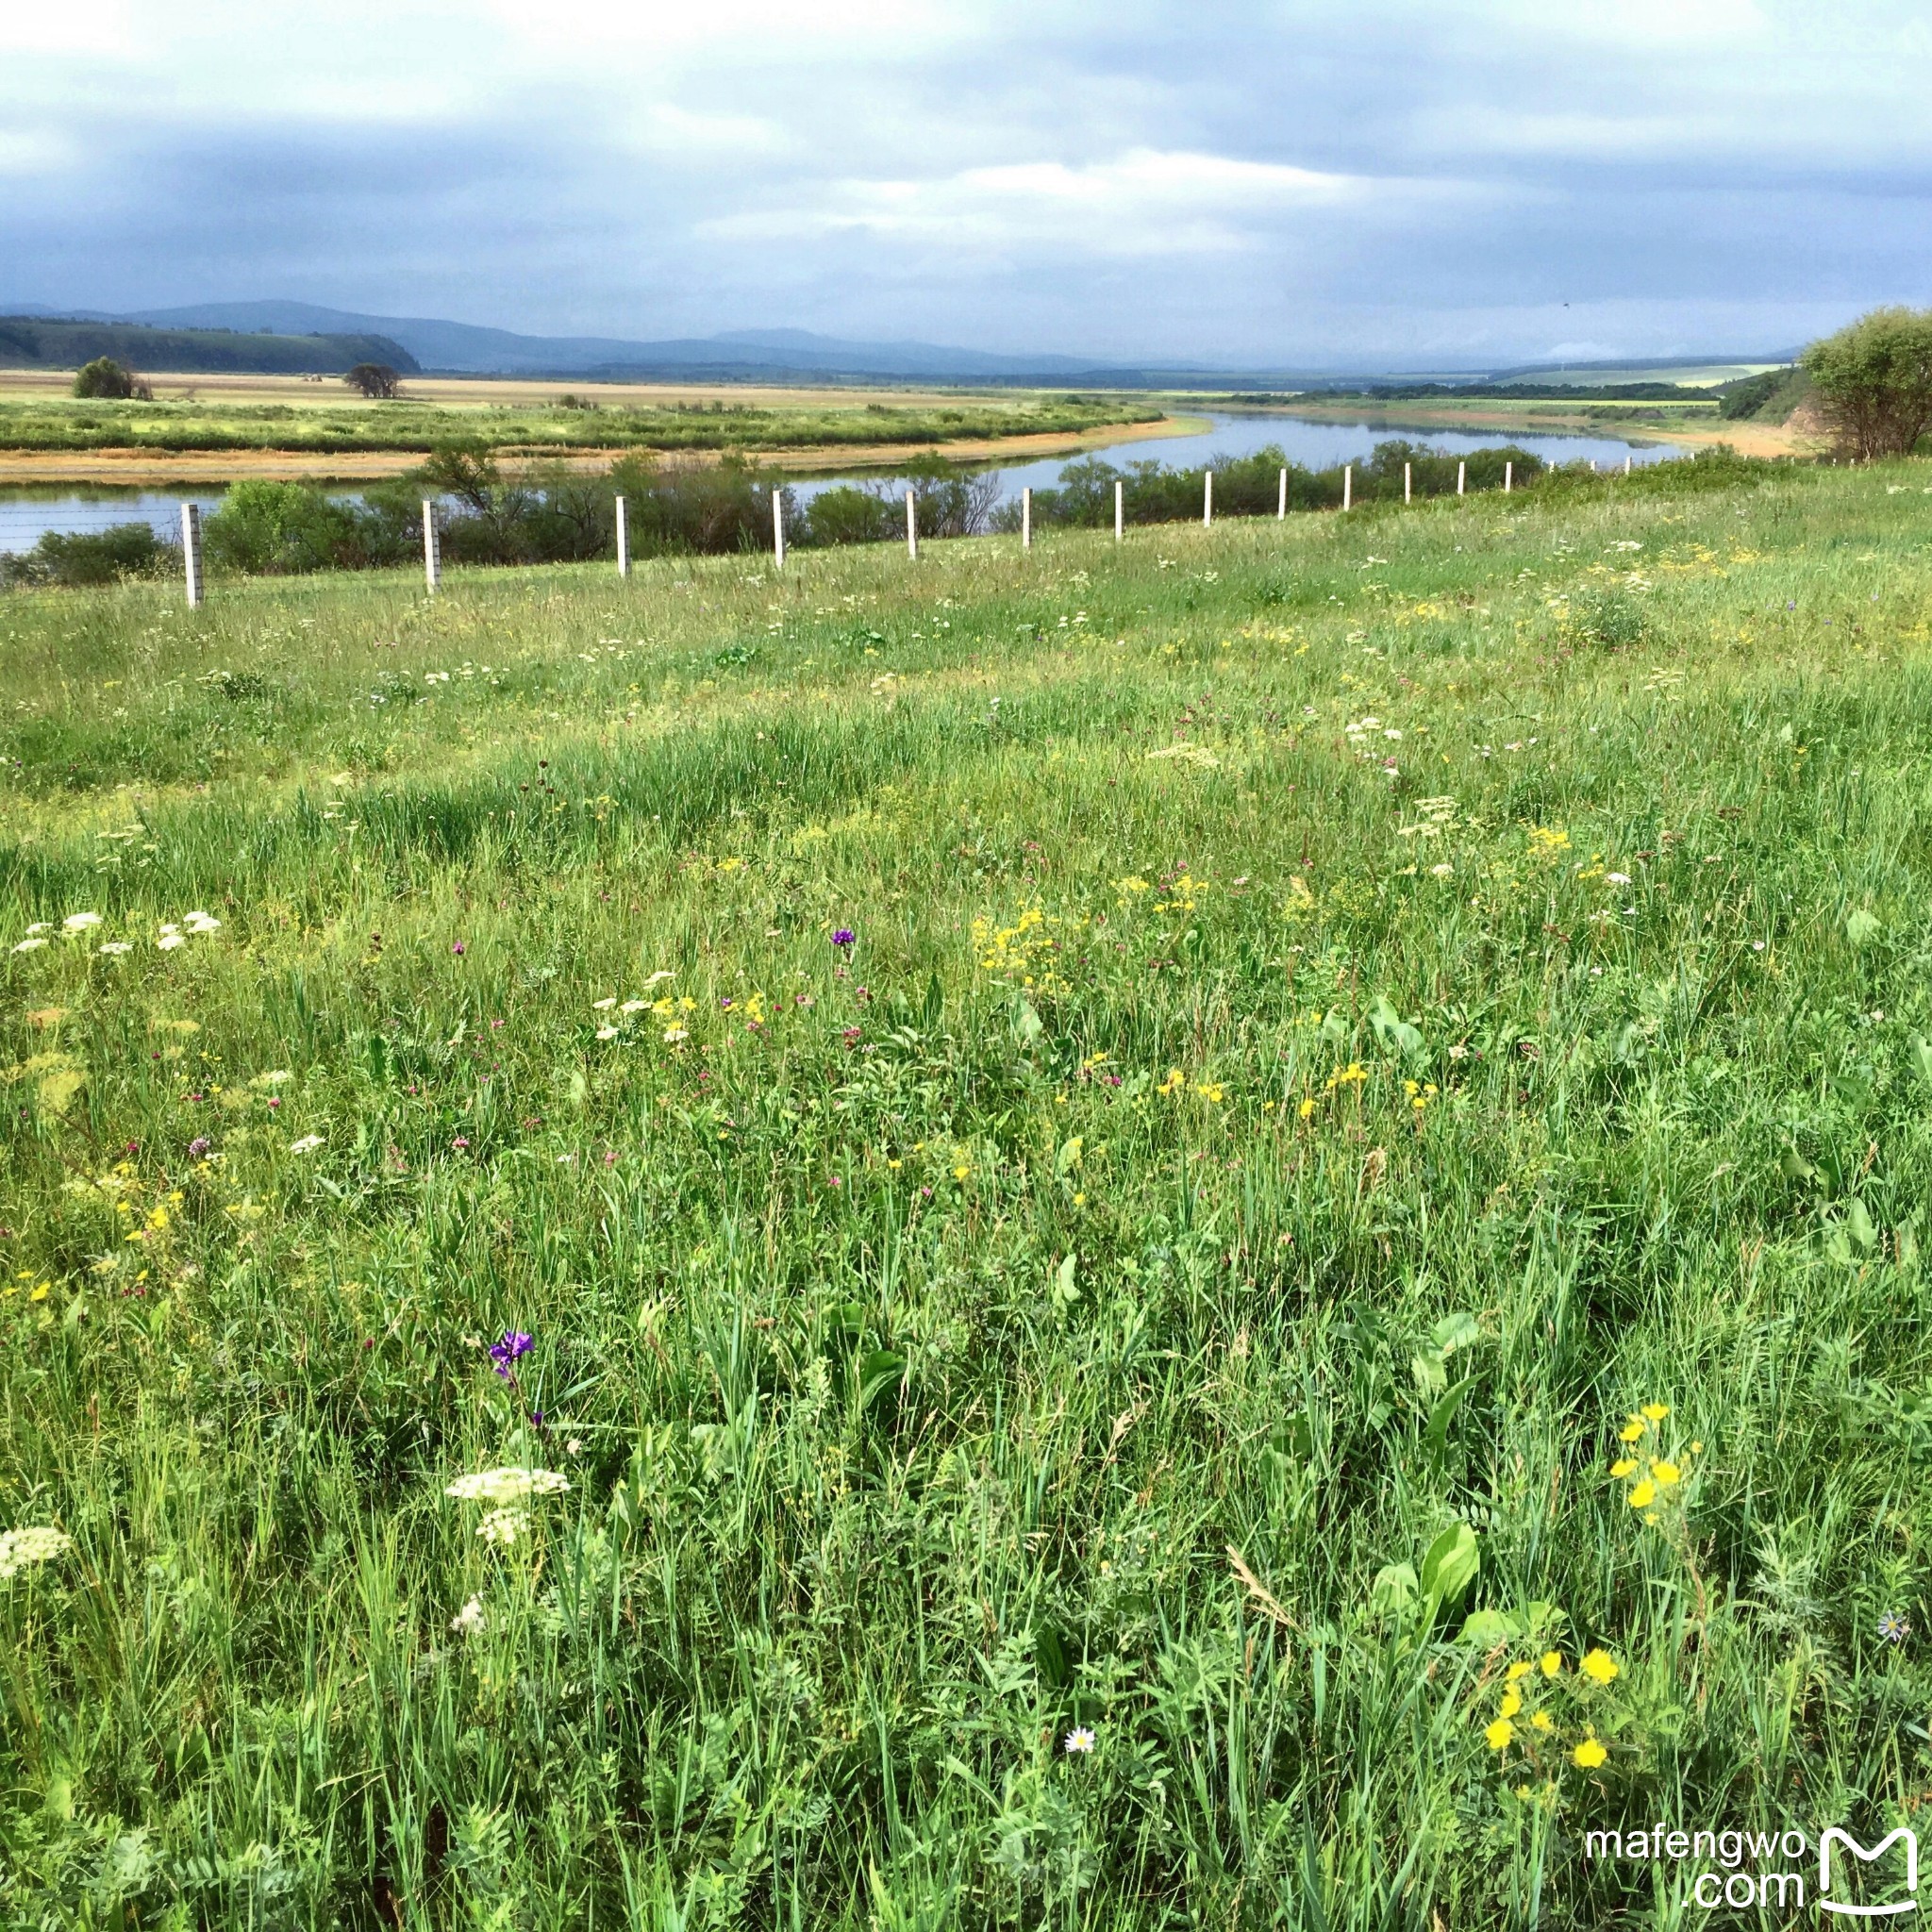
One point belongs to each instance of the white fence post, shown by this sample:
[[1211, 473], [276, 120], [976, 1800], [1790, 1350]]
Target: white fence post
[[1120, 512], [191, 552], [1282, 500], [1208, 499], [622, 540], [1348, 485], [1027, 518], [1406, 486], [1461, 476], [1508, 474], [777, 527], [1626, 466], [911, 528], [432, 550]]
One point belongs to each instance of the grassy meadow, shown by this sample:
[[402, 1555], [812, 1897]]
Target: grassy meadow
[[540, 419], [1222, 1232]]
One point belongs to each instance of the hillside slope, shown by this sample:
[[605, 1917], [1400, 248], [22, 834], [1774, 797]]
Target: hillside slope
[[33, 341]]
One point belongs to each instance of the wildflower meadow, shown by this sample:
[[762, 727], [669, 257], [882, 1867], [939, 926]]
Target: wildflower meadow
[[1225, 1230]]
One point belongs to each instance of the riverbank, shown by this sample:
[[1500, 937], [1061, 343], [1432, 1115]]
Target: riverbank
[[1696, 424], [137, 468]]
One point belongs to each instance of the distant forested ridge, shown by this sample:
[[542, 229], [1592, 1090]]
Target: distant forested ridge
[[32, 341]]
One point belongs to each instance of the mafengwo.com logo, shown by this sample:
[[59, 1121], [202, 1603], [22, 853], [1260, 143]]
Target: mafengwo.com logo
[[1779, 1871]]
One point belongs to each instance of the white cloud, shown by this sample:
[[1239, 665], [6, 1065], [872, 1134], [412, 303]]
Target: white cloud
[[1144, 202], [664, 128], [27, 151]]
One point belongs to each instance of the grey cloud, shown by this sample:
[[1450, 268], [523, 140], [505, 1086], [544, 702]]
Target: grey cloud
[[1670, 193]]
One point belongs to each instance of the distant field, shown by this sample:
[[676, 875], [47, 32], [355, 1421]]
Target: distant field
[[1707, 376], [1695, 421], [1223, 1232], [243, 424]]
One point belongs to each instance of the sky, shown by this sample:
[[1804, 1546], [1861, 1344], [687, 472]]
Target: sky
[[1288, 186]]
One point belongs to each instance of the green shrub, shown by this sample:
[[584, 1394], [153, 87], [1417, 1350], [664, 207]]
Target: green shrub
[[92, 556], [280, 528], [847, 515]]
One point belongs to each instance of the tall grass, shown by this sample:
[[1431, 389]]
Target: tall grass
[[1337, 1016]]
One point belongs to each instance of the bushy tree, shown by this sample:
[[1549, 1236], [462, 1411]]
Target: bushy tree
[[1873, 380], [376, 381], [104, 380]]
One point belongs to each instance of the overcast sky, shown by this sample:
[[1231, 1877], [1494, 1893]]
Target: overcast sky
[[1407, 185]]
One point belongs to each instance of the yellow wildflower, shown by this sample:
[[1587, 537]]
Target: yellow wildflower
[[1599, 1665], [1588, 1754], [1498, 1735], [1522, 1668], [1552, 1662], [1666, 1474], [1623, 1467], [1540, 1719], [1643, 1495], [1656, 1410], [1632, 1431]]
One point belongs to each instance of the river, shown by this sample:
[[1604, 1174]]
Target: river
[[27, 512]]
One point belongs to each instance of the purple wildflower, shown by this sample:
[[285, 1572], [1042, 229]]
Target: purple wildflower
[[514, 1343], [844, 936], [199, 1147], [457, 949]]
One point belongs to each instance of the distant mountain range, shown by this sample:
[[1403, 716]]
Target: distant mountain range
[[461, 348], [264, 330]]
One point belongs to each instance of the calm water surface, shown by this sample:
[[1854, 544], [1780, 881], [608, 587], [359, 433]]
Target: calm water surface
[[26, 514]]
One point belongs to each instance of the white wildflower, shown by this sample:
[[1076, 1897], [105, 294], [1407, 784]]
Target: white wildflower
[[30, 945], [307, 1144], [25, 1549], [505, 1485], [115, 948], [80, 922], [469, 1619], [504, 1526]]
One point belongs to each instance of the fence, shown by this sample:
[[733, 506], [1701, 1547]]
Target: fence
[[108, 552]]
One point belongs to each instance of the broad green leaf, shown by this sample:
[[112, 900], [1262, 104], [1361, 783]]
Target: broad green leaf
[[1394, 1589], [1450, 1567]]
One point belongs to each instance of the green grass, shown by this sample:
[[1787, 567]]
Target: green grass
[[67, 423], [1057, 1313]]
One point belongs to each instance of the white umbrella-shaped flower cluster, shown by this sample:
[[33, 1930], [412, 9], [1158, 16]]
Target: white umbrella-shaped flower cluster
[[507, 1492], [193, 925], [30, 1547]]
